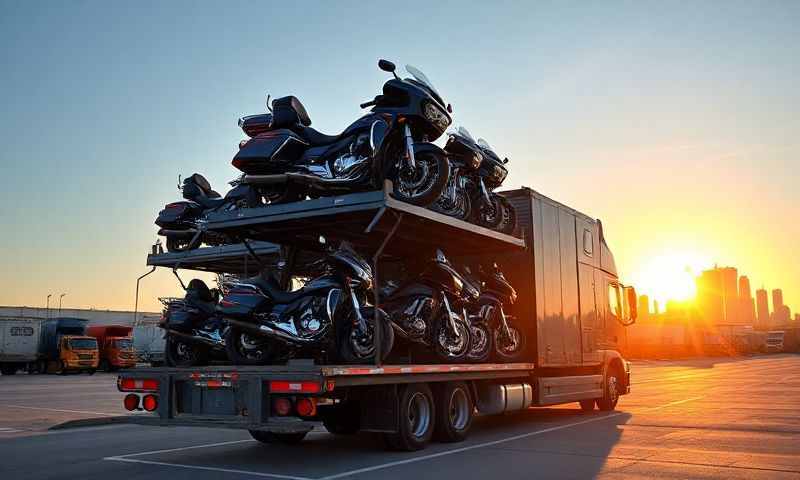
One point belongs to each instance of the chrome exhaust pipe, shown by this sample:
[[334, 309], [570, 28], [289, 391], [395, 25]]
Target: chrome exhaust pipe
[[266, 330], [193, 338]]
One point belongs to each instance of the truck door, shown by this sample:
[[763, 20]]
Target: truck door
[[608, 299]]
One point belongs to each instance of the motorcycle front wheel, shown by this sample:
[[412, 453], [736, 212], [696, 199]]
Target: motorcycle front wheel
[[481, 342], [425, 183], [180, 353], [508, 348], [460, 207], [244, 348], [452, 346], [359, 347], [508, 217], [490, 215]]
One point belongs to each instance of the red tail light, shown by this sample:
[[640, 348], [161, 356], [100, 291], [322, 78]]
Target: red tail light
[[306, 407], [282, 406], [280, 386], [150, 403], [237, 162], [131, 402], [137, 384], [171, 206]]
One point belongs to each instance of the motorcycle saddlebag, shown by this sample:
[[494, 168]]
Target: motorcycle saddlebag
[[176, 213], [181, 317], [270, 152]]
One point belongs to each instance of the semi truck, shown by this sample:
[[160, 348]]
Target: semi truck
[[115, 345], [56, 345], [572, 307]]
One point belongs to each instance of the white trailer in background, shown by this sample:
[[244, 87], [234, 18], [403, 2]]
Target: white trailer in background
[[19, 343]]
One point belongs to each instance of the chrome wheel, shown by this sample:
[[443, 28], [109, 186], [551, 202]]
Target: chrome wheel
[[459, 411], [419, 414], [453, 346], [508, 345], [480, 342], [613, 392], [422, 185]]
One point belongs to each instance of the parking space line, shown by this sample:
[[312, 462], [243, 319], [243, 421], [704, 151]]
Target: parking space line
[[212, 469], [671, 404], [468, 448], [61, 410], [178, 449]]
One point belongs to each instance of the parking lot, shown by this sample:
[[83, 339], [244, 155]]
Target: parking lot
[[701, 418]]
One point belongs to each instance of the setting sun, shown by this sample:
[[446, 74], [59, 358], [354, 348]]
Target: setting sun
[[670, 276]]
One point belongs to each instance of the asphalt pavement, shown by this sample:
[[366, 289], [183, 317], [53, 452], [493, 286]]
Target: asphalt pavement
[[700, 418]]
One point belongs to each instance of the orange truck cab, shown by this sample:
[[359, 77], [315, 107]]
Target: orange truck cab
[[65, 346], [77, 353], [115, 343]]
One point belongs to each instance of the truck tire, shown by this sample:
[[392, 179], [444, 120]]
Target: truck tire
[[417, 413], [608, 401], [8, 369], [274, 437], [587, 405], [454, 412]]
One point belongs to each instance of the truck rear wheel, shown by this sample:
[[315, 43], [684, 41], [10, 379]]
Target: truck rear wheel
[[275, 437], [454, 410], [587, 405], [416, 412]]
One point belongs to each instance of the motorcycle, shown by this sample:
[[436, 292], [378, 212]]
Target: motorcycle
[[192, 332], [328, 314], [429, 309], [481, 335], [288, 160], [507, 337], [181, 222], [475, 171]]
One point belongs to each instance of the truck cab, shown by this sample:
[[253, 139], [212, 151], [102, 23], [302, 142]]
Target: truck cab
[[115, 343], [77, 353]]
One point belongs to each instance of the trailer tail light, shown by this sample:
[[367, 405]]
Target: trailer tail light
[[150, 403], [282, 406], [137, 384], [306, 407], [131, 402], [280, 386]]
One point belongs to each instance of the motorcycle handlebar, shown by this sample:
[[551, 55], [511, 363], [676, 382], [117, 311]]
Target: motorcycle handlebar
[[368, 104]]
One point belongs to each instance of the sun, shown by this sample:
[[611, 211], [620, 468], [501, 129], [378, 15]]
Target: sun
[[670, 276]]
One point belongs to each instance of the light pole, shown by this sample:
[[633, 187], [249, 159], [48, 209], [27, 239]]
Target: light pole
[[47, 308], [59, 302]]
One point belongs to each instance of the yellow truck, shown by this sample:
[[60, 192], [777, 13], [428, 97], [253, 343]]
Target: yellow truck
[[56, 345]]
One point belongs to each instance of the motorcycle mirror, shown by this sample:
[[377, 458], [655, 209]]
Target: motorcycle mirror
[[505, 160], [449, 108], [179, 181], [386, 66]]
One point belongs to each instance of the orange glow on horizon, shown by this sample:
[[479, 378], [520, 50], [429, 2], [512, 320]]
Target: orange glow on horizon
[[670, 276]]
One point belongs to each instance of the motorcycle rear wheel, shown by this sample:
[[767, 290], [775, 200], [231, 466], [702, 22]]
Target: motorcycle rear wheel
[[178, 353], [244, 348], [175, 244], [426, 183]]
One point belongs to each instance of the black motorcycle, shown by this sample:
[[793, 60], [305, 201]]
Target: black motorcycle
[[430, 309], [507, 337], [481, 334], [288, 160], [328, 317], [181, 222], [192, 331], [476, 170]]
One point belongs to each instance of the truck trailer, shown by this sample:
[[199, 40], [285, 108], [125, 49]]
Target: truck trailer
[[115, 345], [572, 307], [54, 345]]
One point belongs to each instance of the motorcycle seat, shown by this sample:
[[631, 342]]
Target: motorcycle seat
[[315, 137], [208, 203], [274, 291]]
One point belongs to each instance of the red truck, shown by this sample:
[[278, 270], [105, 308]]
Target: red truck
[[115, 343]]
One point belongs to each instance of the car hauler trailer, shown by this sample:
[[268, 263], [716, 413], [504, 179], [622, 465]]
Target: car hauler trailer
[[571, 307]]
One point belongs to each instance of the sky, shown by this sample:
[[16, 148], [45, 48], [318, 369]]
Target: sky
[[675, 123]]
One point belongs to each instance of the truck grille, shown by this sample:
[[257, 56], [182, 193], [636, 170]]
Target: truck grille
[[84, 356]]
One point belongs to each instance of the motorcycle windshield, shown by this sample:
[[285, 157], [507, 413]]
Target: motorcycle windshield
[[422, 78], [487, 148], [464, 133]]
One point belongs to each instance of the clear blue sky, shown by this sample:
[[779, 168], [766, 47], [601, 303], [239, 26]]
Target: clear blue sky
[[636, 112]]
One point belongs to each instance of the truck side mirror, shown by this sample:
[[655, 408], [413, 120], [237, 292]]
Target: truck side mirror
[[632, 300]]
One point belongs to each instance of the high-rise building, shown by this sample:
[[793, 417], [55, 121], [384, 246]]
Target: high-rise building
[[730, 295], [762, 308], [747, 306], [718, 296], [644, 308], [780, 312]]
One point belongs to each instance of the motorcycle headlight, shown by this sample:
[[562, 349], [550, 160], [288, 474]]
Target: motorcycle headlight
[[436, 116]]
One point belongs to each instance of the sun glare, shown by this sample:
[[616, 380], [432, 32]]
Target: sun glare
[[670, 276]]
